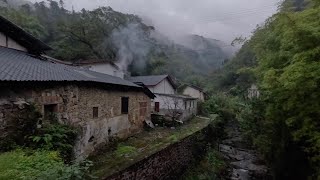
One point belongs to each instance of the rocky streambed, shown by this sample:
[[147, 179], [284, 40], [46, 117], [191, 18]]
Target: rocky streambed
[[243, 162]]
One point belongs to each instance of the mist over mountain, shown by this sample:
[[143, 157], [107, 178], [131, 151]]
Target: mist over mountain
[[125, 39], [14, 3]]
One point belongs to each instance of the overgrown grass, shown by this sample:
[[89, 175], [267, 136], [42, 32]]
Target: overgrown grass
[[125, 151]]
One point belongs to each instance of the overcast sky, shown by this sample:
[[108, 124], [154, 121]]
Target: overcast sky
[[218, 19]]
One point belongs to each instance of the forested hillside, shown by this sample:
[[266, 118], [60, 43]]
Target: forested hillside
[[113, 36], [282, 58]]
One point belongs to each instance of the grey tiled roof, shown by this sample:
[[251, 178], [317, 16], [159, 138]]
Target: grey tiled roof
[[20, 66], [149, 80], [177, 96]]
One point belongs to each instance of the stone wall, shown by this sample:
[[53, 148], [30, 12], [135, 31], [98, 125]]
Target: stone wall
[[110, 122], [168, 163], [13, 100], [74, 105]]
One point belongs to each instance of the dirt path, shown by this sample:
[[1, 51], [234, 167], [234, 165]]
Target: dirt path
[[244, 163]]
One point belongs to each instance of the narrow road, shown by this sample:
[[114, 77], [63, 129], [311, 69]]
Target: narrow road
[[244, 163]]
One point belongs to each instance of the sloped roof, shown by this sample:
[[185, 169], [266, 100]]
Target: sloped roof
[[151, 80], [195, 87], [25, 39], [20, 66], [177, 96], [94, 61]]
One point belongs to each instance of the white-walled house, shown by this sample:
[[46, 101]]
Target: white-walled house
[[253, 92], [195, 92], [8, 42], [162, 84], [175, 104], [101, 66], [167, 101]]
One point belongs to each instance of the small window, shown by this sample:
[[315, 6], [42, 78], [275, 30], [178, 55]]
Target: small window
[[50, 111], [157, 106], [124, 105], [95, 112], [185, 105]]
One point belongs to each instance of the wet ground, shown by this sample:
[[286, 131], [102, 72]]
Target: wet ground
[[244, 163]]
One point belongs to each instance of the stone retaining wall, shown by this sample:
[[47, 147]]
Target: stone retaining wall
[[168, 163]]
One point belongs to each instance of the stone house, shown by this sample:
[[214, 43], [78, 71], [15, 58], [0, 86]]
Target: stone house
[[102, 106], [167, 101], [101, 66], [195, 92]]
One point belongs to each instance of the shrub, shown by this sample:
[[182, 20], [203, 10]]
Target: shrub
[[212, 166], [20, 125], [23, 131], [55, 137], [30, 165], [223, 105]]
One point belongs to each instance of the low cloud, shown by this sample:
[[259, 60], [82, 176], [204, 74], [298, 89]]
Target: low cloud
[[218, 19]]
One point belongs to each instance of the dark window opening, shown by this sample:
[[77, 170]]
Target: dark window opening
[[91, 139], [157, 107], [124, 105], [95, 112], [50, 111], [185, 105]]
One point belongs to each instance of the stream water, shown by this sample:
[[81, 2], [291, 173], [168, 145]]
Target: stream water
[[244, 163]]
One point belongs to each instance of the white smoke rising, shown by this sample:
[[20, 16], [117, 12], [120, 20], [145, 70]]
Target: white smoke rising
[[131, 46]]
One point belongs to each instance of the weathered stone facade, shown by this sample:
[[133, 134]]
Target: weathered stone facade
[[110, 121], [75, 104]]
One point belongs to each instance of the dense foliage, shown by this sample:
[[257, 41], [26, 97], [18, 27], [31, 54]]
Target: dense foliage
[[30, 165], [282, 57]]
